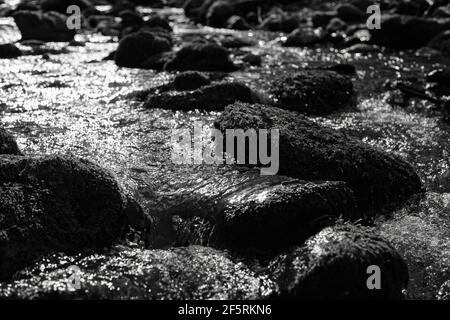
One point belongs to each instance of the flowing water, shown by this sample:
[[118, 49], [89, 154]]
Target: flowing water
[[73, 102]]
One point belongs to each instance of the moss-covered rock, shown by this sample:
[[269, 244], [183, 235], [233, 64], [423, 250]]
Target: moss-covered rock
[[313, 91], [333, 265], [56, 204], [310, 151]]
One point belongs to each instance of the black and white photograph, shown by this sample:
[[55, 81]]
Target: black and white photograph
[[224, 155]]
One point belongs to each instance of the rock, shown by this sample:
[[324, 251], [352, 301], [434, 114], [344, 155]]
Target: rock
[[218, 14], [61, 5], [404, 32], [342, 68], [303, 37], [237, 23], [363, 48], [334, 263], [201, 57], [8, 144], [236, 42], [211, 97], [190, 80], [239, 209], [427, 52], [158, 22], [313, 91], [56, 203], [312, 152], [9, 51], [439, 76], [252, 59], [136, 48], [321, 19], [442, 43], [349, 13], [441, 12], [130, 18], [180, 273], [335, 25], [47, 26], [280, 22]]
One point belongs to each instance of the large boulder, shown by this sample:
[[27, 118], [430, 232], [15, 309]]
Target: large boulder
[[334, 264], [202, 57], [135, 48], [9, 51], [310, 151], [45, 26], [56, 204], [404, 32], [313, 91], [241, 210], [8, 144], [177, 274], [210, 97]]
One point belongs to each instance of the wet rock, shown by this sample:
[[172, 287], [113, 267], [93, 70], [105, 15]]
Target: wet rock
[[335, 25], [211, 97], [130, 18], [310, 151], [280, 22], [342, 68], [442, 43], [61, 5], [56, 203], [158, 22], [404, 32], [8, 144], [313, 91], [9, 51], [236, 42], [439, 76], [218, 14], [243, 211], [321, 19], [363, 48], [334, 263], [349, 13], [181, 273], [136, 48], [201, 57], [237, 23], [441, 12], [252, 59], [47, 26], [190, 80], [303, 37]]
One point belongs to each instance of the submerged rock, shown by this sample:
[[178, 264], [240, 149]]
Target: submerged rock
[[8, 144], [243, 211], [333, 265], [9, 51], [210, 97], [46, 26], [313, 91], [310, 151], [182, 273], [56, 204], [135, 48], [202, 57]]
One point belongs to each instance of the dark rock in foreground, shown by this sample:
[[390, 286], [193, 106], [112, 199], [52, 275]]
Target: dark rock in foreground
[[8, 144], [56, 204], [202, 57], [210, 97], [333, 265], [241, 210], [183, 273], [9, 51], [47, 26], [313, 92], [310, 151], [135, 48]]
